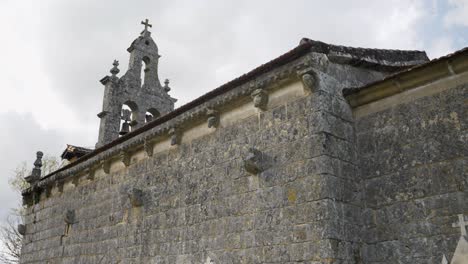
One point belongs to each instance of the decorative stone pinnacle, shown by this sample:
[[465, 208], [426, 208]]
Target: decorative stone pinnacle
[[114, 69], [36, 171], [166, 86], [38, 162]]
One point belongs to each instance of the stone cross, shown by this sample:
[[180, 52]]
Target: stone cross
[[444, 260], [461, 223], [147, 24]]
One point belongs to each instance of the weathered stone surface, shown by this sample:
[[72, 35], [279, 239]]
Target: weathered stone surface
[[143, 95], [21, 229], [413, 160], [69, 217], [321, 185]]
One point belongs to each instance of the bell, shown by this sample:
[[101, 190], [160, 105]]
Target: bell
[[125, 128], [148, 118]]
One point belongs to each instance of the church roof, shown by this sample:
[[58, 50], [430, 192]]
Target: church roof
[[71, 152], [449, 63], [377, 59]]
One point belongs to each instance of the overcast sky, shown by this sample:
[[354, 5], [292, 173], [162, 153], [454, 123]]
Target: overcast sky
[[55, 52]]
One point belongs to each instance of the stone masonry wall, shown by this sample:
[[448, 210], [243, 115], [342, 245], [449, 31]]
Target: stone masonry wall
[[413, 159], [200, 203], [195, 202]]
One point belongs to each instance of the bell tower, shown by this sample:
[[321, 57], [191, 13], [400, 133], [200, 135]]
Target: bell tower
[[137, 97]]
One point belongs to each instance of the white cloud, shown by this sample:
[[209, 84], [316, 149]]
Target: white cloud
[[440, 47], [457, 14]]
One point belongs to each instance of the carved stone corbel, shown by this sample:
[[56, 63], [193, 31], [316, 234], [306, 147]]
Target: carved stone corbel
[[260, 98], [69, 217], [125, 157], [213, 118], [105, 164], [75, 181], [148, 146], [91, 173], [136, 197], [175, 137], [308, 78], [253, 161], [59, 185]]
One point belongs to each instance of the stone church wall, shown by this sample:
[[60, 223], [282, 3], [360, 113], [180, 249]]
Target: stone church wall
[[274, 181], [413, 161], [198, 201]]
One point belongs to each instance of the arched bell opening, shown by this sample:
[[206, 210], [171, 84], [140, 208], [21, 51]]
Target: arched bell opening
[[128, 118], [152, 114], [144, 69]]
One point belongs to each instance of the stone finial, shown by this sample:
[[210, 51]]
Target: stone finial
[[125, 157], [166, 86], [260, 98], [148, 146], [136, 197], [175, 137], [253, 161], [213, 118], [22, 229], [36, 171], [114, 69], [69, 217]]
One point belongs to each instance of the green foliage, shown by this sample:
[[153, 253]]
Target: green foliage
[[10, 239], [17, 182]]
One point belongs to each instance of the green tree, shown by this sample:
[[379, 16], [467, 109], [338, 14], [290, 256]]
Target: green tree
[[10, 238]]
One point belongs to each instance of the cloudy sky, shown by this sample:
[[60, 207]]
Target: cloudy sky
[[55, 52]]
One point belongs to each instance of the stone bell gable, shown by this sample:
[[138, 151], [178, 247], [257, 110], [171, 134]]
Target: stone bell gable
[[326, 154], [139, 89]]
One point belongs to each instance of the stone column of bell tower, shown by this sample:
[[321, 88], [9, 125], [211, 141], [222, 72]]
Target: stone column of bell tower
[[140, 91]]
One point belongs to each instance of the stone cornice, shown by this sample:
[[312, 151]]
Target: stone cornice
[[434, 70], [161, 128], [293, 65]]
